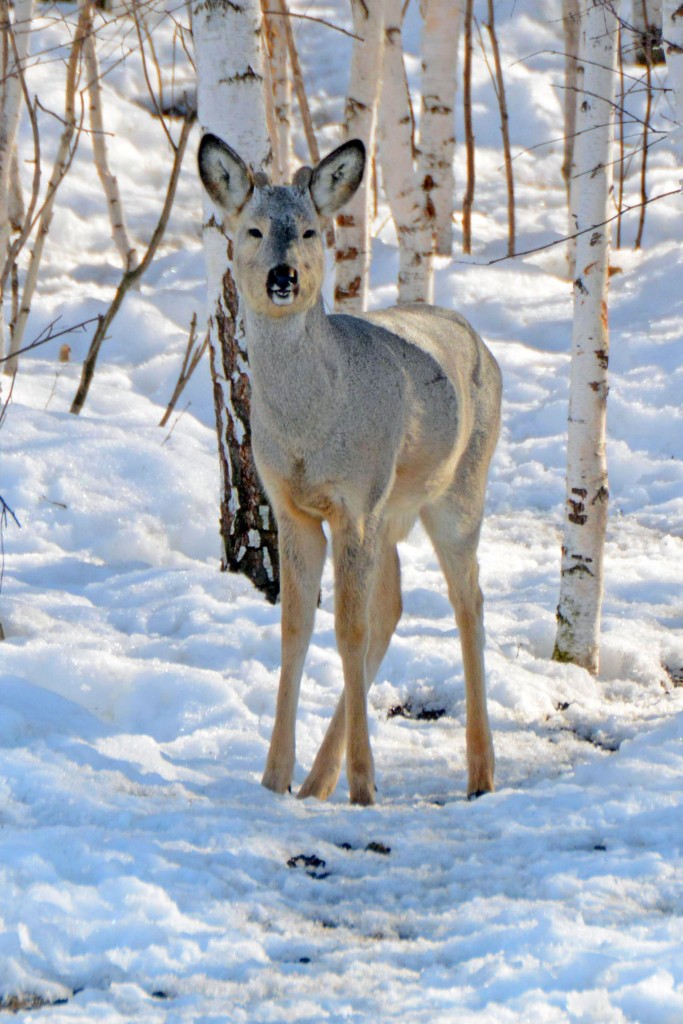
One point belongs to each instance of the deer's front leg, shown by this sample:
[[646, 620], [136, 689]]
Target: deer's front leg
[[302, 547], [353, 566]]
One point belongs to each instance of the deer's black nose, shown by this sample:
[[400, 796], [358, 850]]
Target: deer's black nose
[[282, 278]]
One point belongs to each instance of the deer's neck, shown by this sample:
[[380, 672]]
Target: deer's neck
[[296, 369]]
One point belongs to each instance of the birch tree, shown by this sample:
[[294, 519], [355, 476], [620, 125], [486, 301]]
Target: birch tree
[[98, 136], [573, 76], [673, 48], [353, 224], [442, 24], [230, 100], [14, 45], [280, 87], [647, 25], [579, 610], [406, 198]]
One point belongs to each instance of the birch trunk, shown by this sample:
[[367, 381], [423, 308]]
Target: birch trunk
[[578, 613], [98, 137], [442, 24], [14, 44], [673, 36], [63, 157], [399, 174], [647, 14], [573, 77], [231, 105], [281, 89], [353, 225]]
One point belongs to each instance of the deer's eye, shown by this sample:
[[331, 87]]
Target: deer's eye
[[254, 233], [310, 233]]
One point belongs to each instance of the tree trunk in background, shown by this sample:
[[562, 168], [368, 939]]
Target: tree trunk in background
[[578, 613], [673, 49], [353, 223], [647, 26], [573, 80], [281, 86], [442, 22], [11, 99], [399, 175], [231, 105], [98, 137]]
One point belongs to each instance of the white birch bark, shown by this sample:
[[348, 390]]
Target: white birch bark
[[673, 48], [353, 224], [281, 91], [11, 99], [227, 42], [442, 24], [573, 78], [98, 138], [399, 173], [579, 609]]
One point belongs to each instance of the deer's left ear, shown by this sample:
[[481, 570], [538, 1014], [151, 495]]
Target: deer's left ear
[[337, 177], [224, 174]]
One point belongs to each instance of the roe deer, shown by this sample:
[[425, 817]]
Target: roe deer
[[366, 422]]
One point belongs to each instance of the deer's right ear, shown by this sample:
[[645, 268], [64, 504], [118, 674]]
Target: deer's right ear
[[337, 177], [224, 174]]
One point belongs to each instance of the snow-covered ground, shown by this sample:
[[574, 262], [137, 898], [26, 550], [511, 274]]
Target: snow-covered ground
[[144, 873]]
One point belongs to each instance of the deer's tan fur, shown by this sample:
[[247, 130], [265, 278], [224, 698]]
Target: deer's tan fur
[[365, 422]]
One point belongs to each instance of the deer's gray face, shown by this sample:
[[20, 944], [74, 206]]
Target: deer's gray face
[[277, 248], [278, 253]]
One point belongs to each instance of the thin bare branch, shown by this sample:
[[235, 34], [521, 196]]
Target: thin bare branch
[[131, 277], [191, 361], [320, 21], [43, 338], [566, 238]]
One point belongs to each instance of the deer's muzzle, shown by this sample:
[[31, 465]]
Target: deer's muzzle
[[282, 284]]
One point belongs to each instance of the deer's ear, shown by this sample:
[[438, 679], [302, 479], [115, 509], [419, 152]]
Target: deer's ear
[[224, 174], [337, 177]]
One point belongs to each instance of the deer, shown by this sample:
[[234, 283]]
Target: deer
[[366, 423]]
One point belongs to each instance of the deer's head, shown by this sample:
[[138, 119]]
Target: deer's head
[[276, 229]]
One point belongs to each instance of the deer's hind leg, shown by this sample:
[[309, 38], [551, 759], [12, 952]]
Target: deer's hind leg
[[302, 547], [453, 526], [385, 609]]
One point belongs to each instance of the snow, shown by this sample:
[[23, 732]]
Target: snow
[[144, 872]]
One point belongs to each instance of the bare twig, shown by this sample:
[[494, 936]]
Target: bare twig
[[566, 238], [643, 164], [65, 153], [620, 121], [320, 21], [468, 198], [156, 102], [499, 86], [190, 363], [44, 337], [17, 245], [131, 277]]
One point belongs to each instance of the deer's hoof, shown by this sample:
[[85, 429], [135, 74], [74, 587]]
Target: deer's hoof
[[362, 792]]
